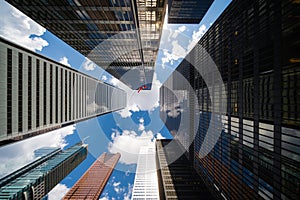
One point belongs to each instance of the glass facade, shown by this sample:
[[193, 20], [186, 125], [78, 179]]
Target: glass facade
[[133, 27], [36, 179], [40, 94], [93, 181], [177, 177], [187, 11], [257, 156], [253, 44]]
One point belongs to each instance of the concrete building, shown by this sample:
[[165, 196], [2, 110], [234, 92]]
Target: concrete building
[[39, 94]]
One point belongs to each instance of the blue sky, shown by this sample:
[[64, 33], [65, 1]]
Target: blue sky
[[139, 124]]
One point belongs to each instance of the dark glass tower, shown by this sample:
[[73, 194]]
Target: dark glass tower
[[35, 180], [187, 11], [177, 178], [254, 45], [134, 28]]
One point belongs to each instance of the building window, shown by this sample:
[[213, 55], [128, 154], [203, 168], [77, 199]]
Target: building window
[[20, 92], [29, 92], [37, 92], [9, 91], [45, 93]]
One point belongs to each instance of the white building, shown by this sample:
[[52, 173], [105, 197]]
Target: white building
[[146, 181]]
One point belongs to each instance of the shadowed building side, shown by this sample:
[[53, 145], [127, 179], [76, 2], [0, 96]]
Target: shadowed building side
[[93, 181]]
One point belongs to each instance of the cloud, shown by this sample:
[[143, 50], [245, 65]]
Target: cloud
[[12, 160], [127, 195], [117, 187], [88, 65], [104, 78], [196, 36], [179, 30], [20, 29], [159, 136], [113, 81], [179, 45], [64, 60], [58, 192], [147, 100], [129, 153], [141, 125]]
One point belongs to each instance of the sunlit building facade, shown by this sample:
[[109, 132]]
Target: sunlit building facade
[[92, 182], [254, 45], [39, 94], [132, 27], [36, 179], [145, 181]]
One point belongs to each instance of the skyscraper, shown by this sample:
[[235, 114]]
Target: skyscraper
[[93, 181], [187, 11], [39, 94], [132, 27], [177, 177], [254, 45], [35, 180], [145, 181]]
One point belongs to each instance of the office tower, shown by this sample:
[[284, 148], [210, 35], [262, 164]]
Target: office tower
[[177, 106], [93, 181], [39, 94], [36, 179], [254, 45], [177, 178], [145, 181], [134, 29], [187, 11]]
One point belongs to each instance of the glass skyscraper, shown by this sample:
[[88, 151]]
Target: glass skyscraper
[[254, 45], [133, 28], [39, 94], [187, 11], [36, 179]]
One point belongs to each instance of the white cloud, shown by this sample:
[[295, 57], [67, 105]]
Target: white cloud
[[180, 29], [104, 198], [127, 195], [11, 159], [64, 60], [114, 81], [88, 65], [141, 125], [115, 184], [196, 36], [147, 100], [104, 78], [117, 187], [159, 136], [58, 192], [20, 29], [129, 153], [179, 44]]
